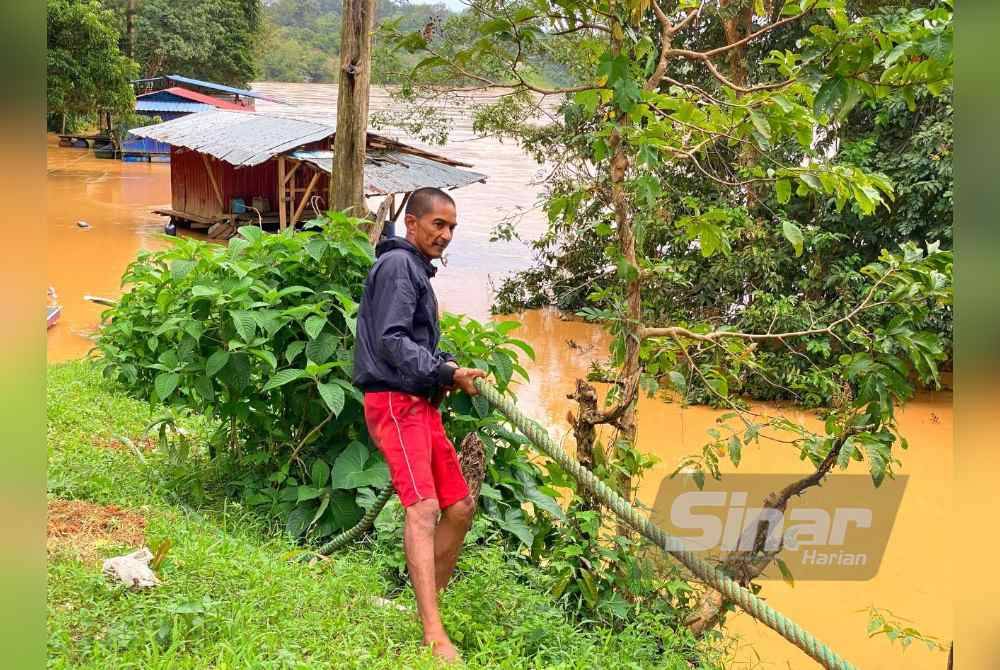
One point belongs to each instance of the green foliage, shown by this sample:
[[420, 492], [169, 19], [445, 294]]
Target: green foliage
[[302, 39], [258, 336], [883, 622], [86, 72], [214, 40]]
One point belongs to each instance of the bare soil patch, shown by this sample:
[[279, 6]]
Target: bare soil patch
[[86, 531], [143, 444]]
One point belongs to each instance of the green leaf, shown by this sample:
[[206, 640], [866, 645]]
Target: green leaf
[[216, 362], [793, 234], [308, 493], [503, 367], [316, 248], [294, 349], [266, 356], [735, 449], [349, 471], [314, 326], [344, 509], [783, 190], [181, 269], [588, 100], [761, 124], [202, 291], [678, 381], [513, 522], [786, 574], [203, 385], [245, 324], [333, 396], [320, 349], [165, 384], [298, 520], [541, 500], [251, 233], [351, 461], [830, 96], [282, 377], [320, 473], [482, 406]]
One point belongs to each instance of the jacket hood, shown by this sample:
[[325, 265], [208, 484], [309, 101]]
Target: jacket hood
[[391, 243]]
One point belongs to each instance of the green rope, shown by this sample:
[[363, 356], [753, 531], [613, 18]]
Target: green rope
[[721, 582], [357, 531]]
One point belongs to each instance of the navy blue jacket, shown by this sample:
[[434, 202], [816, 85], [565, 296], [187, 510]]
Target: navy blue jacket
[[398, 332]]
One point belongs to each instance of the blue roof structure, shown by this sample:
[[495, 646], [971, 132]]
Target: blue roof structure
[[162, 106], [211, 85]]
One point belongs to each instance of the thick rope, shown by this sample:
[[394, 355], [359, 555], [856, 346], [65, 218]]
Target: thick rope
[[718, 580], [357, 531]]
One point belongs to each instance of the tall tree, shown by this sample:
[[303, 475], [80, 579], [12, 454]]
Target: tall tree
[[347, 183], [87, 72], [665, 99], [215, 40]]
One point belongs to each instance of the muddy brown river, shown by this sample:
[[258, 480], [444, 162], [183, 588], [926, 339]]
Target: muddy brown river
[[915, 578]]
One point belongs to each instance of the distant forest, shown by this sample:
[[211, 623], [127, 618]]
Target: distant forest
[[300, 39]]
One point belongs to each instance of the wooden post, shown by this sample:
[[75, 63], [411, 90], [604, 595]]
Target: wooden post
[[347, 180], [130, 29], [281, 192], [305, 198]]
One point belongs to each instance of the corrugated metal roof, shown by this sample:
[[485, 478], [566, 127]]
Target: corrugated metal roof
[[161, 106], [398, 172], [219, 87], [251, 138], [180, 94], [239, 138]]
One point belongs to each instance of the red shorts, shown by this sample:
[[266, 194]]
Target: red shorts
[[422, 461]]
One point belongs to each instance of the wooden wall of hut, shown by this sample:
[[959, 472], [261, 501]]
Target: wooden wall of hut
[[192, 191]]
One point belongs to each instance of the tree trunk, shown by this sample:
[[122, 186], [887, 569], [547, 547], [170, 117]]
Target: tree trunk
[[347, 182], [585, 431], [130, 29]]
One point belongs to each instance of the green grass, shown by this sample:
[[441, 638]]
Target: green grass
[[232, 599]]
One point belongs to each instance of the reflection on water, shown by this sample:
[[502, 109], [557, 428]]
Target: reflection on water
[[915, 580]]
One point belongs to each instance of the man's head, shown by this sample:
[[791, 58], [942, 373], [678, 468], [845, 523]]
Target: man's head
[[430, 221]]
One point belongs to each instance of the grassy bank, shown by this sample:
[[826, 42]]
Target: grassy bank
[[231, 599]]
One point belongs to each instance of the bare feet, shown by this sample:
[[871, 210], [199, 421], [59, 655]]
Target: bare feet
[[443, 649]]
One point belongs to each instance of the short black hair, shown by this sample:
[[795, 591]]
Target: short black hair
[[422, 200]]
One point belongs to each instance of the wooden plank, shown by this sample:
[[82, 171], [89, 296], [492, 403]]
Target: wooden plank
[[288, 177], [215, 185], [305, 198], [402, 206], [281, 192]]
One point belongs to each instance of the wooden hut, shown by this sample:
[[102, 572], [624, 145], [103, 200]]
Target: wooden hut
[[228, 168]]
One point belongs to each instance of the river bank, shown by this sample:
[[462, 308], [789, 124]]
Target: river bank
[[915, 575], [230, 596]]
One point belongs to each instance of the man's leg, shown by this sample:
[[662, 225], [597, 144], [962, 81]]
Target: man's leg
[[419, 544], [454, 524]]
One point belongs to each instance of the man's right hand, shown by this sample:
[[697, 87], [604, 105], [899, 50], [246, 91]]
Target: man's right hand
[[464, 378]]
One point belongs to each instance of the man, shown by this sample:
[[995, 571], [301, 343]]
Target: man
[[403, 375]]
